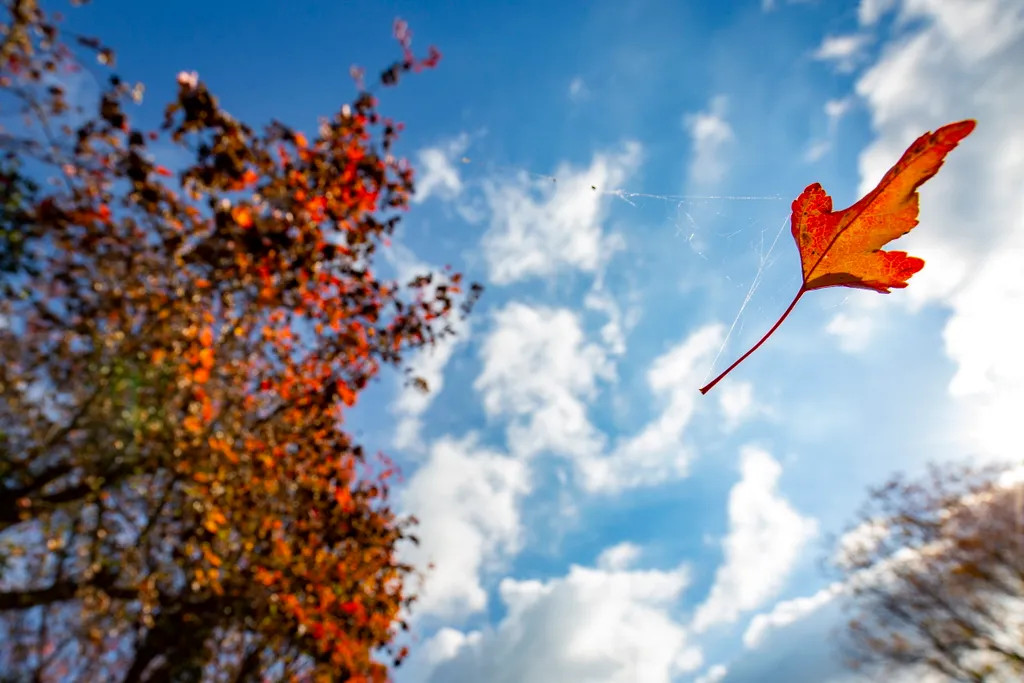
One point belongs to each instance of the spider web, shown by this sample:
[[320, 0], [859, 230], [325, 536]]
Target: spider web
[[683, 204]]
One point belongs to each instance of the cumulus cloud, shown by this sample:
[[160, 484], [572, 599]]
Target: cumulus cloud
[[870, 11], [714, 674], [613, 333], [861, 541], [437, 173], [601, 625], [786, 612], [539, 227], [764, 543], [712, 137], [658, 452], [539, 370], [962, 59], [855, 325], [801, 651], [843, 52], [737, 404], [618, 557], [466, 499]]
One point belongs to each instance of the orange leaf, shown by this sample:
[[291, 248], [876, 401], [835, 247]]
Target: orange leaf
[[242, 216], [192, 424], [213, 559], [301, 140], [160, 170], [214, 521], [348, 396], [844, 248]]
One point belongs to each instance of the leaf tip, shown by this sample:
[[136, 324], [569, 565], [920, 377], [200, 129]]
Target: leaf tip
[[952, 133]]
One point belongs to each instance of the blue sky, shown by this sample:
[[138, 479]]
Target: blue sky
[[591, 516]]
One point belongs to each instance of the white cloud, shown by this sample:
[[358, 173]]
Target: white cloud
[[539, 370], [539, 227], [786, 612], [853, 331], [870, 11], [711, 136], [618, 557], [817, 150], [466, 499], [802, 651], [578, 89], [427, 364], [598, 625], [689, 660], [835, 110], [962, 59], [844, 52], [438, 176], [736, 401], [658, 453], [765, 540], [859, 542], [714, 674], [613, 333], [855, 326]]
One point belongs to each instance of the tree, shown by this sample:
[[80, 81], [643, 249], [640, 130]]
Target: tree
[[179, 498], [935, 572]]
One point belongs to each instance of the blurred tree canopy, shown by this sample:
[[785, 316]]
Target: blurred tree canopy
[[935, 572], [179, 497]]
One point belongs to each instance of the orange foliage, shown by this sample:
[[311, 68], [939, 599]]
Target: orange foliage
[[201, 364]]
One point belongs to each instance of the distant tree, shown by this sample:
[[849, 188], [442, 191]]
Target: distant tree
[[935, 572], [179, 500]]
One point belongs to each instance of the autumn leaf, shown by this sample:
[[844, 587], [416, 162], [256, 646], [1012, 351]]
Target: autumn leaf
[[242, 216], [844, 248]]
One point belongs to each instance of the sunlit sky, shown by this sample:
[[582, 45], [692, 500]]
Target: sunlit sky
[[619, 174]]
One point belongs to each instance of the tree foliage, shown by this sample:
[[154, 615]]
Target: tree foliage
[[936, 576], [179, 497]]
